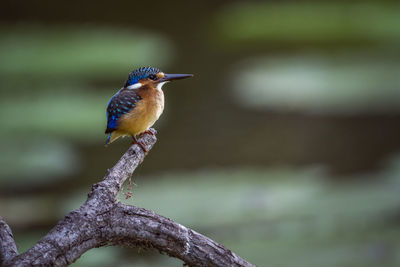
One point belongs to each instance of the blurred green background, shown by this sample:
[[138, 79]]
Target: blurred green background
[[284, 147]]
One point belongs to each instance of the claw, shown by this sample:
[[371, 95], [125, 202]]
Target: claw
[[135, 141], [149, 132]]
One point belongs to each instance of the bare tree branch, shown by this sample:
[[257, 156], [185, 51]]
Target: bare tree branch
[[8, 248], [101, 221], [147, 229]]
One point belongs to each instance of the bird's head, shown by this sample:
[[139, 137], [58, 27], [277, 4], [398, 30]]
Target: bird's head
[[151, 76]]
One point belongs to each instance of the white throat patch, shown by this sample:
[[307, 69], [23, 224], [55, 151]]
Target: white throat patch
[[159, 86], [134, 86]]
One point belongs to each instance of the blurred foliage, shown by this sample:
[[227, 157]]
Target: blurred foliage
[[36, 160], [358, 82], [323, 21], [37, 130], [78, 52], [63, 112]]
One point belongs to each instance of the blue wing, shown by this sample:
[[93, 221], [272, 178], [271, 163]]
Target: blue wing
[[121, 103]]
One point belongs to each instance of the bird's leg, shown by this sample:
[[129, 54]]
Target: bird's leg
[[135, 141]]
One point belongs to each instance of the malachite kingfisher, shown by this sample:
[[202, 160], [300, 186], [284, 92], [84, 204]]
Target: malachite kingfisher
[[138, 104]]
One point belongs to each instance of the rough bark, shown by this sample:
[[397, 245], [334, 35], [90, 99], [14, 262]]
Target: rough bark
[[102, 220], [8, 248]]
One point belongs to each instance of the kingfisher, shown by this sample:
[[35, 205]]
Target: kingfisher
[[138, 104]]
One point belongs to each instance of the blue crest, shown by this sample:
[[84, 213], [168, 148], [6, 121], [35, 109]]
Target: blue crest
[[139, 74]]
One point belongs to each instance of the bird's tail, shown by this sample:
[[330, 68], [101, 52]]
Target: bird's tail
[[112, 137]]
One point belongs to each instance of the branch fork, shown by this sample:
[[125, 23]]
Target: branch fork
[[102, 220]]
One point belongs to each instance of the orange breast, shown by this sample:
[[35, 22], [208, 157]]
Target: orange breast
[[144, 115]]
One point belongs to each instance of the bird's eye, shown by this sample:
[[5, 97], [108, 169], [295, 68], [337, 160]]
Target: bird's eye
[[152, 76]]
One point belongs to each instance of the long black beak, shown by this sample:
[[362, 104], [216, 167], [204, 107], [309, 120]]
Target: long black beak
[[170, 77]]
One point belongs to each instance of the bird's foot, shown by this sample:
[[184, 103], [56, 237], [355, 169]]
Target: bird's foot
[[147, 131], [135, 141]]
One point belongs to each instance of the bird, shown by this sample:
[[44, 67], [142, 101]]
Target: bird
[[138, 104]]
